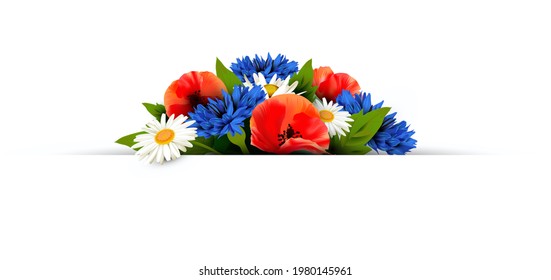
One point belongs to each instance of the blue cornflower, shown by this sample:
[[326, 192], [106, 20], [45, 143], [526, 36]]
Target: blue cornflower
[[228, 114], [393, 138], [246, 67], [355, 103]]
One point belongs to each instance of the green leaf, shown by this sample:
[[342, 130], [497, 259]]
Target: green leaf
[[155, 110], [363, 129], [201, 146], [224, 146], [350, 149], [305, 78], [227, 76], [128, 140], [239, 140]]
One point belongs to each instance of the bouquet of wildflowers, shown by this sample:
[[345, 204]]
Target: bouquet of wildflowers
[[268, 106]]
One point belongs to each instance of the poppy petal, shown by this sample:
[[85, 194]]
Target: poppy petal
[[192, 89], [335, 84], [211, 85], [310, 126], [321, 74], [175, 104], [278, 122], [347, 82], [328, 89], [266, 123], [300, 144]]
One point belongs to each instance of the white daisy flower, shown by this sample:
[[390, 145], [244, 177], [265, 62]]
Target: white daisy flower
[[337, 121], [165, 139], [275, 87]]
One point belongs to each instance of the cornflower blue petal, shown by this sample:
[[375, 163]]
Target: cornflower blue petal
[[228, 115], [392, 138], [246, 67]]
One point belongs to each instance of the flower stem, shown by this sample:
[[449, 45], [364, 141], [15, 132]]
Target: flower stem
[[244, 149], [207, 148], [239, 140]]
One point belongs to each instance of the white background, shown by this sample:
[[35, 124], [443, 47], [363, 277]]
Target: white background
[[472, 77]]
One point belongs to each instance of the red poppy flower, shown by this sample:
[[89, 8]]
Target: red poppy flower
[[192, 89], [288, 123], [330, 85]]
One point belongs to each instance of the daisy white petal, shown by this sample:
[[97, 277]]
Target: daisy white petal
[[143, 136], [247, 83], [274, 79], [259, 79], [159, 155], [275, 87], [152, 154], [336, 120], [154, 125], [164, 139], [183, 143], [170, 121], [163, 120], [293, 86], [166, 152], [148, 148], [174, 150]]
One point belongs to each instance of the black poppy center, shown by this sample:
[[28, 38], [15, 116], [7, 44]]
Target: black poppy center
[[288, 134], [195, 99]]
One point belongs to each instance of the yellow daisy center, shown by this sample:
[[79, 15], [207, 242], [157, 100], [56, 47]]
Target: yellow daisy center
[[164, 136], [271, 89], [326, 116]]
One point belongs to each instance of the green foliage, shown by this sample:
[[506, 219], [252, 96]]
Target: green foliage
[[227, 76], [363, 129], [156, 110], [128, 140], [202, 146], [223, 145], [239, 140], [305, 78]]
